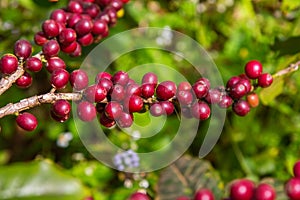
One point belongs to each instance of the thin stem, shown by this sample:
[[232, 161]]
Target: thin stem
[[25, 104], [292, 68]]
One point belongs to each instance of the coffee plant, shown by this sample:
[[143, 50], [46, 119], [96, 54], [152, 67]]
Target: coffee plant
[[49, 92]]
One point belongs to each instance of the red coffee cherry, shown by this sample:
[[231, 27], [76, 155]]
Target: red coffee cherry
[[27, 121]]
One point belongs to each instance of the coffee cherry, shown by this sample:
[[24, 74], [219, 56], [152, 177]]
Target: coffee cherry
[[167, 107], [185, 97], [247, 84], [296, 169], [55, 63], [59, 15], [75, 7], [77, 51], [232, 81], [67, 36], [242, 189], [73, 19], [22, 49], [92, 10], [184, 86], [107, 122], [33, 64], [83, 27], [253, 99], [241, 107], [150, 78], [156, 110], [117, 4], [200, 89], [133, 103], [24, 81], [8, 64], [292, 188], [59, 78], [107, 84], [204, 194], [133, 89], [186, 112], [79, 79], [69, 48], [166, 90], [86, 111], [226, 101], [50, 28], [200, 110], [125, 120], [40, 38], [117, 92], [60, 119], [113, 110], [238, 90], [101, 75], [51, 48], [86, 40], [147, 90], [213, 96], [253, 69], [139, 196], [100, 27], [27, 121], [205, 81], [264, 192], [120, 77], [265, 80], [61, 108], [95, 93]]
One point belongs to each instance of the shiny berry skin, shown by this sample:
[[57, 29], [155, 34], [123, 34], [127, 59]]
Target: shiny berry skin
[[238, 90], [22, 49], [86, 111], [139, 196], [55, 63], [185, 97], [213, 96], [265, 192], [200, 110], [86, 40], [200, 89], [59, 15], [113, 110], [133, 103], [296, 169], [125, 120], [204, 194], [117, 4], [50, 28], [103, 75], [120, 77], [150, 78], [265, 80], [73, 19], [241, 107], [27, 121], [292, 188], [95, 93], [79, 79], [83, 27], [184, 86], [33, 64], [107, 122], [59, 78], [61, 108], [205, 81], [246, 83], [133, 88], [156, 110], [69, 48], [226, 101], [92, 10], [242, 189], [232, 81], [253, 99], [147, 90], [117, 93], [51, 48], [67, 36], [8, 64], [77, 51], [24, 81], [253, 69], [167, 107], [106, 83], [125, 1], [100, 27], [75, 7], [166, 90], [40, 38]]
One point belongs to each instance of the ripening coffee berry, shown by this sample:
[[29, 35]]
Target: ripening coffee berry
[[106, 83], [113, 110], [61, 108], [241, 107], [117, 5], [226, 101], [77, 51], [139, 196], [24, 81], [242, 189], [40, 38], [86, 40], [75, 7], [27, 121], [100, 27], [150, 78], [156, 110], [200, 88], [120, 77], [117, 92], [59, 78], [69, 48], [33, 64], [107, 122], [59, 15], [147, 90], [185, 97], [51, 48], [79, 79], [55, 63], [213, 96], [22, 49], [200, 110], [238, 90], [253, 69], [204, 194], [184, 86], [57, 118], [166, 90], [264, 192], [83, 27], [133, 103], [232, 81], [265, 80], [95, 93], [50, 28], [8, 64], [292, 188], [167, 107], [296, 169], [133, 88], [125, 120], [67, 36], [86, 111], [253, 99], [101, 75], [92, 10]]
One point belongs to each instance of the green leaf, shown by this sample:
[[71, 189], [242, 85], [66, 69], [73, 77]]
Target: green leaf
[[290, 46], [38, 180], [289, 5], [267, 95], [186, 176]]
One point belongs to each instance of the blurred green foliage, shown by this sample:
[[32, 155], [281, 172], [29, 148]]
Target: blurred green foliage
[[263, 144]]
